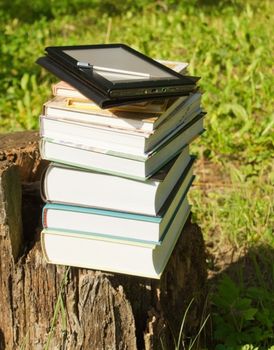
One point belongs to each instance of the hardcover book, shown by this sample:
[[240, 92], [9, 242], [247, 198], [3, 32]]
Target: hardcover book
[[122, 225], [119, 159], [113, 254], [74, 186], [161, 124]]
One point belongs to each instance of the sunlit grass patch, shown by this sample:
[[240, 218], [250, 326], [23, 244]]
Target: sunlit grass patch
[[240, 211]]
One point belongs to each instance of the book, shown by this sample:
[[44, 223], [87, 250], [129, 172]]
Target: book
[[64, 89], [133, 142], [67, 185], [77, 152], [112, 254], [119, 224], [89, 113], [156, 106]]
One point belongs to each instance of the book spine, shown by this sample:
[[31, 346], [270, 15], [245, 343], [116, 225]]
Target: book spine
[[44, 217], [44, 248], [43, 186]]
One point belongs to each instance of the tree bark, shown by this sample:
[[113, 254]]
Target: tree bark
[[53, 307]]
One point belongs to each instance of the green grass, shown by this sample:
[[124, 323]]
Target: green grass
[[240, 212], [229, 45]]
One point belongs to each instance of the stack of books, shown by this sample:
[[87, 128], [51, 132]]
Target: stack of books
[[116, 187]]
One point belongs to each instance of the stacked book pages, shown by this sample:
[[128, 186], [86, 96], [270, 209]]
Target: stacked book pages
[[116, 186]]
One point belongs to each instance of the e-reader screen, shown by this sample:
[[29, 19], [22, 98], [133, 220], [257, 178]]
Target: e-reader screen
[[117, 64]]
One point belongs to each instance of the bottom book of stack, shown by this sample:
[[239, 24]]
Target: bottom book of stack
[[114, 241], [140, 258]]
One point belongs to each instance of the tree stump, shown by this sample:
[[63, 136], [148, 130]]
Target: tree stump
[[53, 307]]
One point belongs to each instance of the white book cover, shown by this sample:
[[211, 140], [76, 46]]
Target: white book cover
[[121, 161], [63, 184], [79, 218], [113, 255]]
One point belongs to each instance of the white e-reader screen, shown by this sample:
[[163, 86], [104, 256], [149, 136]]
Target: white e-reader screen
[[117, 64]]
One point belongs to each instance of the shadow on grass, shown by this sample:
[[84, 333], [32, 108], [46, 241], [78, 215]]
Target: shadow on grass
[[30, 12], [242, 301]]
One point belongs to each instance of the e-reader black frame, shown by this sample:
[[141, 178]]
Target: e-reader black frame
[[126, 88]]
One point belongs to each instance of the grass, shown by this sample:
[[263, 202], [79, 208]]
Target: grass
[[228, 44], [240, 212]]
